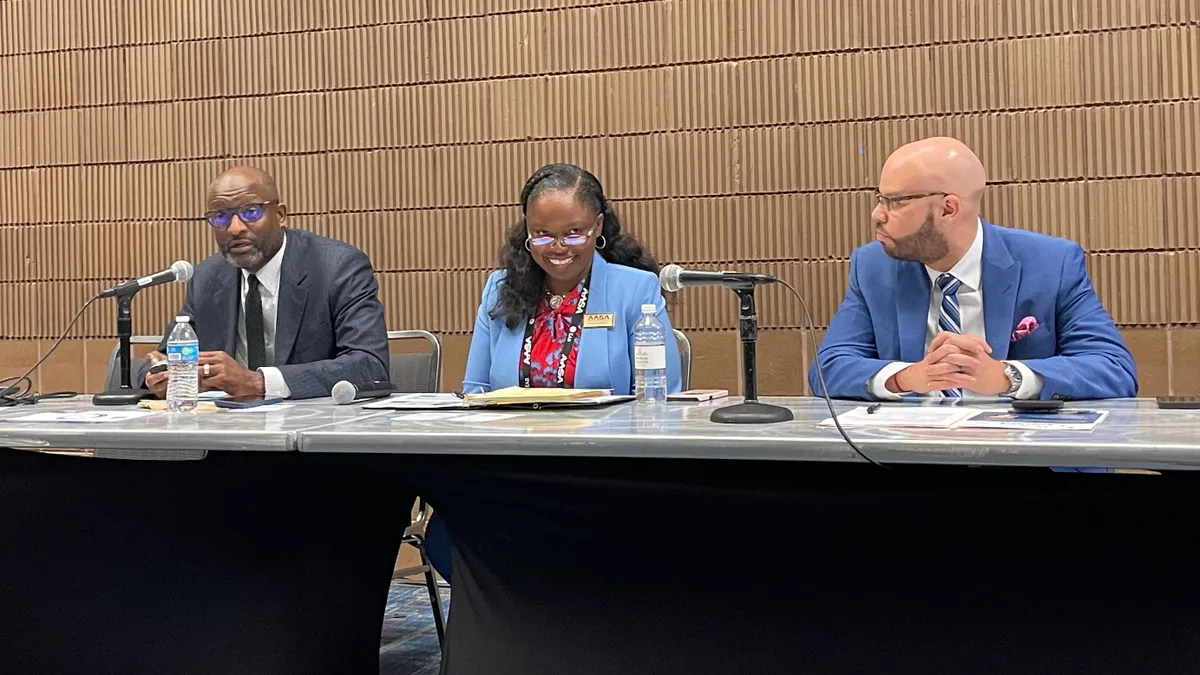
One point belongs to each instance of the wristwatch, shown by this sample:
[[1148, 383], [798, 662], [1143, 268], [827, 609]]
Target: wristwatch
[[1014, 378]]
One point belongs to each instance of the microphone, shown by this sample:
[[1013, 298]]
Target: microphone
[[347, 392], [180, 270], [673, 277]]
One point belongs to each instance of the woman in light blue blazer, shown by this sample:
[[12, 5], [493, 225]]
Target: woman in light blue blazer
[[567, 250]]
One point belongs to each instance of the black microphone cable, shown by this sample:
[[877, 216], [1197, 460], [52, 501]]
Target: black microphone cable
[[19, 389], [812, 335]]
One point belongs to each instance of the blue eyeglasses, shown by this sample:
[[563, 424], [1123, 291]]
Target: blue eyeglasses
[[249, 213], [569, 240]]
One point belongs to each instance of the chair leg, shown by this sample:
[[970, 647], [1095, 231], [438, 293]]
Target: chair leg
[[435, 597]]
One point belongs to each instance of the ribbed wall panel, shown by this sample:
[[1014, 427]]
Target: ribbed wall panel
[[1180, 123], [1182, 203], [728, 134]]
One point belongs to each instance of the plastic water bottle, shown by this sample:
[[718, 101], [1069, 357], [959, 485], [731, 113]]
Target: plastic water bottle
[[183, 365], [650, 357]]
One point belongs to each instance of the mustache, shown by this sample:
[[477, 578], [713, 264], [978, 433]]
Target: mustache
[[240, 240]]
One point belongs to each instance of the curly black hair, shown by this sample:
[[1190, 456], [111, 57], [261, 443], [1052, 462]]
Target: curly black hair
[[524, 281]]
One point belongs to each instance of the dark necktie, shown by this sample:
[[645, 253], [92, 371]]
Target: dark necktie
[[949, 318], [256, 339]]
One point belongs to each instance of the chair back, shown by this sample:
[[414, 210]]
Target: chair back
[[685, 359], [416, 372], [112, 381]]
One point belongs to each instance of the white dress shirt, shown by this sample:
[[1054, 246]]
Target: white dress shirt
[[268, 288], [969, 272]]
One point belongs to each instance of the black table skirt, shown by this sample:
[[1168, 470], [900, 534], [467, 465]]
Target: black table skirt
[[239, 563], [576, 566], [279, 564]]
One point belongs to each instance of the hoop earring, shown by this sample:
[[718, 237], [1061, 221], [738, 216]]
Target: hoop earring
[[601, 242], [527, 247]]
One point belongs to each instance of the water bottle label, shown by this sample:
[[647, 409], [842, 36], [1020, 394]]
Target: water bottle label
[[188, 352], [650, 357]]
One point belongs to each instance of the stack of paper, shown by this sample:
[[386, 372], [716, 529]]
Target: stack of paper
[[416, 402], [523, 396], [512, 396], [1063, 420], [910, 416], [902, 415], [159, 405]]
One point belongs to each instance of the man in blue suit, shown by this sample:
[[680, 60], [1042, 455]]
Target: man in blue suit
[[944, 303], [280, 312]]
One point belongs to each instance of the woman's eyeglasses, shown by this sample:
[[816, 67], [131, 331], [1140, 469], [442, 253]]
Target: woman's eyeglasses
[[249, 213], [569, 240]]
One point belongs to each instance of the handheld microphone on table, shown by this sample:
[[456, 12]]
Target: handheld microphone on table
[[347, 392], [125, 394], [180, 270]]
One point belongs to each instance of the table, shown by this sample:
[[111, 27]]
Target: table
[[611, 540], [605, 541], [255, 559], [1136, 434], [266, 429]]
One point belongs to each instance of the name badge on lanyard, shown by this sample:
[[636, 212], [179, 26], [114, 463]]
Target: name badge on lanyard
[[577, 326], [598, 320]]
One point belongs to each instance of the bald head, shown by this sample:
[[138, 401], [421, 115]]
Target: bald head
[[938, 164], [244, 180], [927, 207]]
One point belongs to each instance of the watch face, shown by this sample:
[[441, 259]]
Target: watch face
[[1014, 377]]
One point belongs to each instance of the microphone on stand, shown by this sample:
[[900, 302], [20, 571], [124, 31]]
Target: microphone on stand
[[347, 392], [673, 277], [750, 411], [180, 270]]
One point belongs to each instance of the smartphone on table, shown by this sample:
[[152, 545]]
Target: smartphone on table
[[1178, 402], [1045, 407], [246, 401]]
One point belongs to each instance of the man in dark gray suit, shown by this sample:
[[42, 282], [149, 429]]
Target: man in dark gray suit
[[279, 312]]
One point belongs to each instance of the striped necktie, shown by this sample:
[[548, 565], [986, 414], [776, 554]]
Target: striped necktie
[[949, 318]]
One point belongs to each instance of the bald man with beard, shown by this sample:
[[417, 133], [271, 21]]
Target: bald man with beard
[[279, 312], [946, 304]]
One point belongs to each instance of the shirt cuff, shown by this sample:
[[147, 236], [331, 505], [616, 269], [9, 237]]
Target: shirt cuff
[[1031, 382], [878, 384], [273, 383]]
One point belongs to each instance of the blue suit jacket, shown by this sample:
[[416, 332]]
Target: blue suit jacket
[[605, 359], [1076, 348], [329, 323]]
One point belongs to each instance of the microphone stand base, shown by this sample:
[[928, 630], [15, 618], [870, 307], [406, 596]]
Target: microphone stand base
[[121, 397], [751, 412]]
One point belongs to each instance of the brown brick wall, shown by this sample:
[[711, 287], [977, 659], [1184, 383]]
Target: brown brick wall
[[732, 133]]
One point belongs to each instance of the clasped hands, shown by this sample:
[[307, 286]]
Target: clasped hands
[[953, 361], [218, 372]]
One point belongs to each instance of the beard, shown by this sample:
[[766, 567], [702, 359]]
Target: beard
[[926, 245], [250, 260]]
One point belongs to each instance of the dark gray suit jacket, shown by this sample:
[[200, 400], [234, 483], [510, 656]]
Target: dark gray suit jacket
[[329, 325]]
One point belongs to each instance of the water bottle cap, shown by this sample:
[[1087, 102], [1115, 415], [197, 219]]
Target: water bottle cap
[[183, 319], [649, 309]]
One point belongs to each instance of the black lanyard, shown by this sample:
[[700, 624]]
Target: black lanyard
[[568, 344]]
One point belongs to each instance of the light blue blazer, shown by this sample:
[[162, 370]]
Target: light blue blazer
[[605, 359]]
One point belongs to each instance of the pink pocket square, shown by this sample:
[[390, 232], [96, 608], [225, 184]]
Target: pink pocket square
[[1024, 328]]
